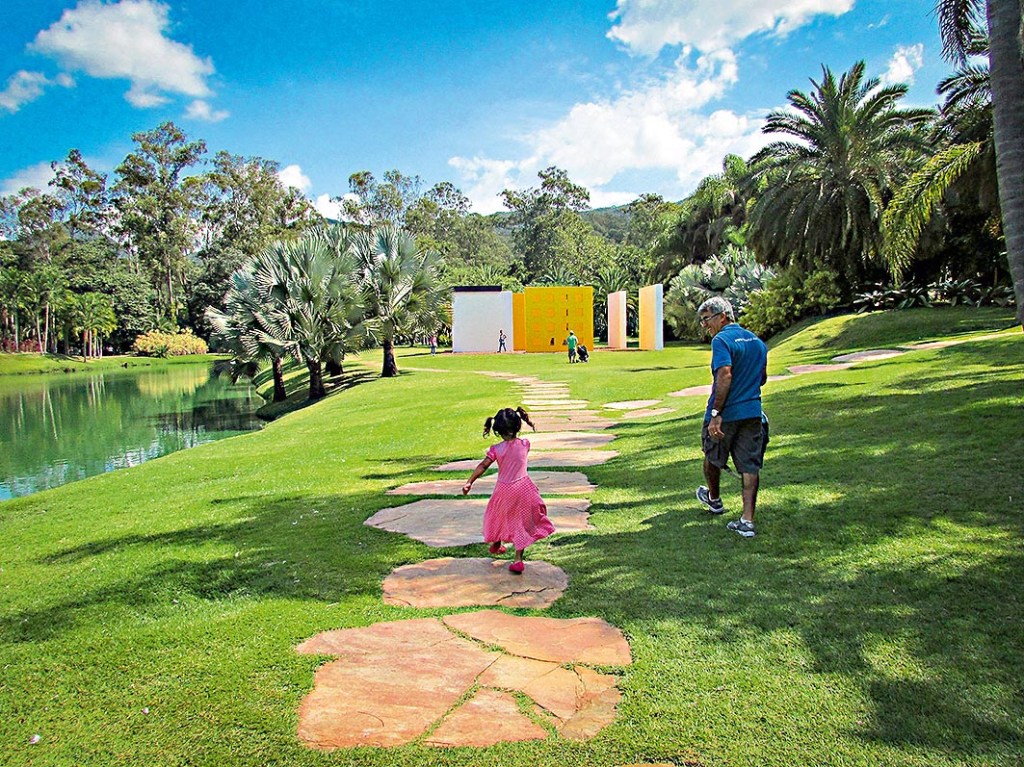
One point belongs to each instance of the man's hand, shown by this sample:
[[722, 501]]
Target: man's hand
[[715, 428]]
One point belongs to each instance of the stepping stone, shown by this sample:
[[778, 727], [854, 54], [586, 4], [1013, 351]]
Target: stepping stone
[[551, 401], [441, 523], [488, 718], [575, 640], [802, 369], [870, 354], [550, 407], [553, 440], [632, 404], [540, 459], [548, 482], [453, 582], [554, 423], [647, 412], [393, 681], [692, 391]]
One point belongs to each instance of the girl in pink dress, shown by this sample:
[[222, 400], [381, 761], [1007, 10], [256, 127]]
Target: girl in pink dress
[[515, 512]]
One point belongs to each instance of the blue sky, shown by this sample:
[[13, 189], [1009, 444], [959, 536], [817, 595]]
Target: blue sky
[[629, 96]]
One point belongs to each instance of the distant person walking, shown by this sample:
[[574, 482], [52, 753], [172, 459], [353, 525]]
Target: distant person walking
[[572, 342], [515, 511], [433, 344], [501, 341], [734, 423]]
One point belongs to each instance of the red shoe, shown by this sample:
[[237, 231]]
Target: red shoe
[[516, 568], [497, 548]]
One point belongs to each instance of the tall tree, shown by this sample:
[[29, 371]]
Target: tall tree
[[83, 195], [961, 22], [377, 203], [824, 193], [157, 205], [399, 288]]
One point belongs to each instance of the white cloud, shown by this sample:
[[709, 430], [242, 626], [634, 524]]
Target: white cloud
[[36, 176], [660, 127], [647, 26], [327, 207], [905, 62], [23, 87], [127, 40], [201, 110], [293, 176]]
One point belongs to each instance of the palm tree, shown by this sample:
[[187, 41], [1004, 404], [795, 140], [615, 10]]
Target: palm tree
[[823, 196], [245, 330], [94, 319], [315, 312], [960, 23], [966, 152], [399, 288]]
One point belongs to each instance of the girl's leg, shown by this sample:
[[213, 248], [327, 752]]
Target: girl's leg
[[517, 565]]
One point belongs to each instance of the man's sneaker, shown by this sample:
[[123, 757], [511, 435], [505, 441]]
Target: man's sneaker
[[743, 527], [714, 506]]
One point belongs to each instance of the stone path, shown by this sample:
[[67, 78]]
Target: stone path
[[422, 680]]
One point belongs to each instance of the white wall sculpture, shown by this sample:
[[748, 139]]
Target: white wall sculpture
[[617, 320], [477, 319], [652, 317]]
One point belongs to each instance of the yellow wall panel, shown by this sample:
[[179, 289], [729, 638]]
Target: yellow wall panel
[[519, 322], [551, 312]]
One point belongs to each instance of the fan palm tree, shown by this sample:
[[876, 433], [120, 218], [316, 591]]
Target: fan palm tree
[[823, 195], [244, 329], [399, 288], [314, 310], [961, 22], [94, 319]]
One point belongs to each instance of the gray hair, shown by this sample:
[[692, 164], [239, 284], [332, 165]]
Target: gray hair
[[717, 305]]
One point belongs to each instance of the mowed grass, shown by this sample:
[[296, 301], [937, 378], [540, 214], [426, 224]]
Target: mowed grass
[[875, 619]]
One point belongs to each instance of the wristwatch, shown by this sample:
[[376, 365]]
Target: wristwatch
[[714, 413]]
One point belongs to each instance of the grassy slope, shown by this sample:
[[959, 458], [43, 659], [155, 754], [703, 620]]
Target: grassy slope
[[874, 620]]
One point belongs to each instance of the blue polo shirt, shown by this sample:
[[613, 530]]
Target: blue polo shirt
[[748, 356]]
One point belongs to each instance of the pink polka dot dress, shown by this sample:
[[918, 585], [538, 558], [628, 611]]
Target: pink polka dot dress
[[515, 513]]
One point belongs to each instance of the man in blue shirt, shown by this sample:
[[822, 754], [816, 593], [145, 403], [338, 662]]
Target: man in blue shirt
[[734, 424]]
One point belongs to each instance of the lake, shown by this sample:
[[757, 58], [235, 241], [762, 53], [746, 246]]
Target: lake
[[56, 429]]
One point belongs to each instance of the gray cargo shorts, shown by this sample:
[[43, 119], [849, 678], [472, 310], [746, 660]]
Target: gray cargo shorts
[[744, 440]]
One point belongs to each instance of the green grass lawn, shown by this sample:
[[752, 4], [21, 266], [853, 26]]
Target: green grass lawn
[[25, 364], [876, 619]]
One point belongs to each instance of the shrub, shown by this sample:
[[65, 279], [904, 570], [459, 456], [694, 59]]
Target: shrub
[[156, 343], [774, 308]]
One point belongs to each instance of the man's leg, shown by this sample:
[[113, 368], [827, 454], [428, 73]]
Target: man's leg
[[713, 475], [750, 485]]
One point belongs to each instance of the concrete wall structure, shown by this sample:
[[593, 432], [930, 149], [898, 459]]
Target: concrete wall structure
[[652, 317], [617, 320], [478, 317], [551, 312]]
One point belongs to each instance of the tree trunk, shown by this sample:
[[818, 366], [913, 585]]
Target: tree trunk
[[85, 346], [1007, 72], [333, 367], [277, 365], [390, 369], [46, 327], [316, 380]]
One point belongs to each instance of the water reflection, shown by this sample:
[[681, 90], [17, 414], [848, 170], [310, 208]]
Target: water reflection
[[57, 429]]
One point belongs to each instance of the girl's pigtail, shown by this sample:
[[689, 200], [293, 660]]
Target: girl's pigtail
[[526, 418], [487, 425]]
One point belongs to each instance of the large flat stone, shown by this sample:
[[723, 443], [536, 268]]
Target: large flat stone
[[570, 423], [555, 404], [578, 640], [648, 412], [368, 696], [692, 391], [394, 682], [803, 369], [489, 717], [453, 582], [870, 354], [539, 459], [441, 523], [632, 404], [568, 440], [548, 482]]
